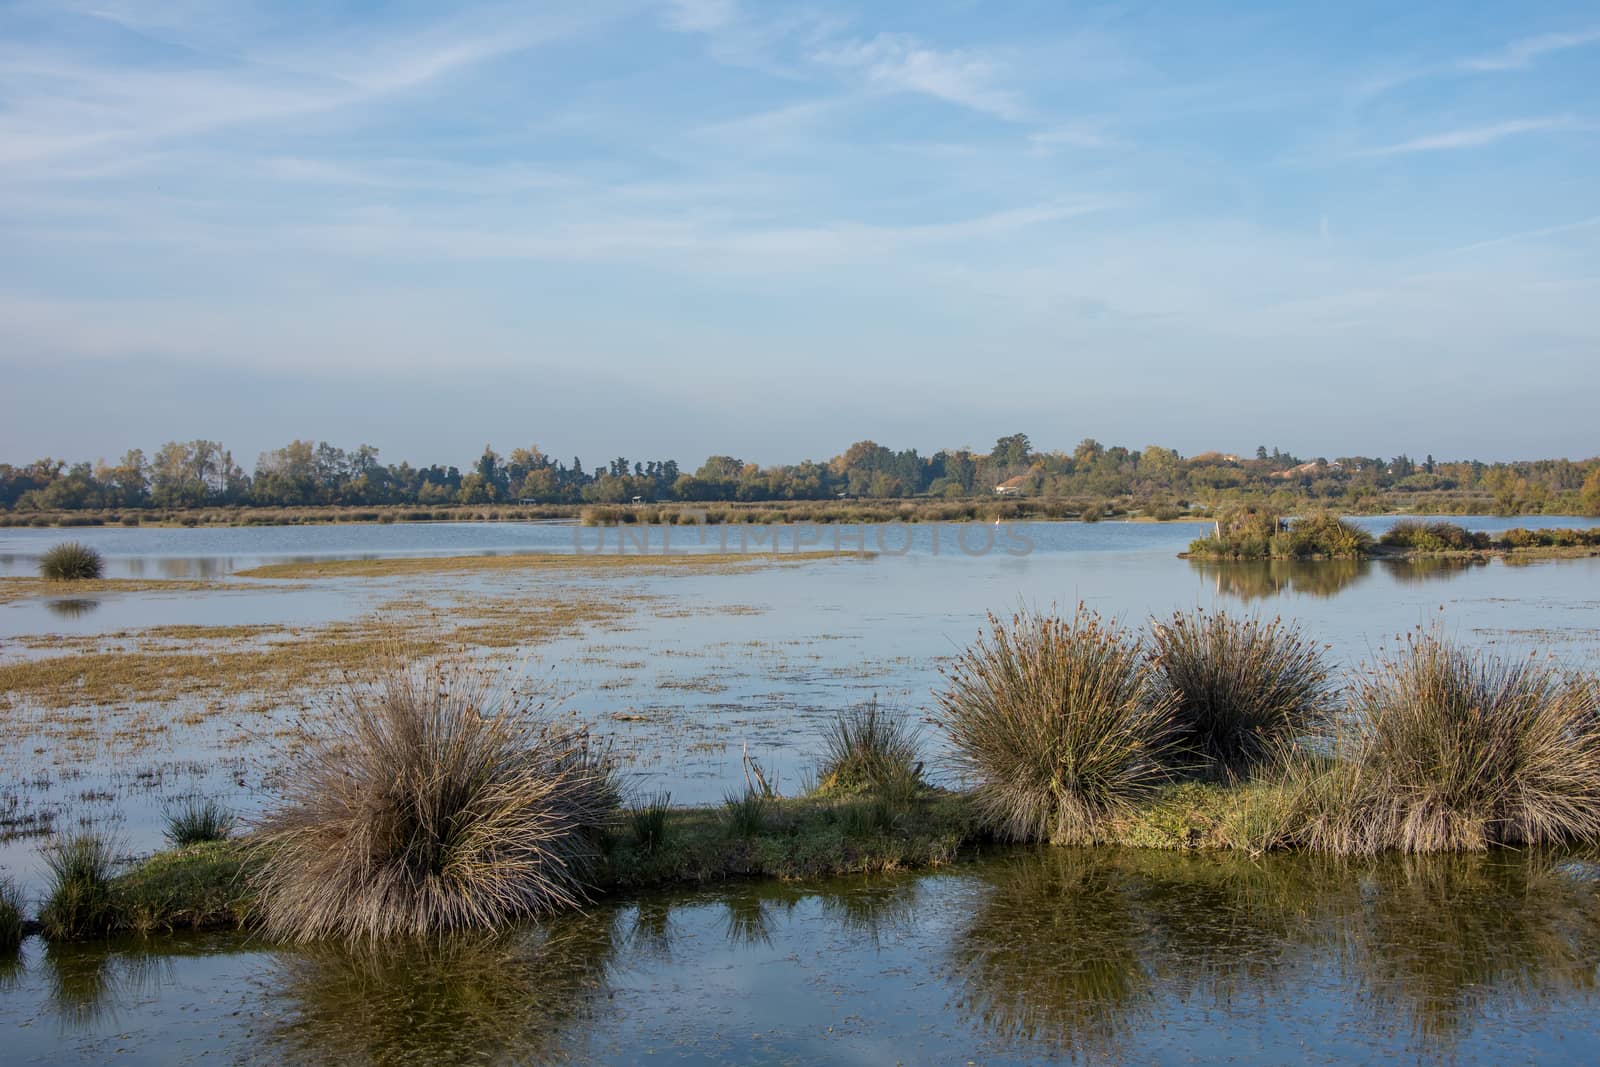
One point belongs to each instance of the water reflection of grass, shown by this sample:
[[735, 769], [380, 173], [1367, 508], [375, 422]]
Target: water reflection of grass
[[1072, 952], [514, 998], [1440, 939], [1058, 954], [1054, 957]]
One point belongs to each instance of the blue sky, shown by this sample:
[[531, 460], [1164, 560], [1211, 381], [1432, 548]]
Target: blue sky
[[676, 228]]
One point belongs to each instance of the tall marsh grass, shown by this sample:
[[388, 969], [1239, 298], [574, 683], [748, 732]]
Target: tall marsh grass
[[1240, 688], [10, 916], [1459, 750], [195, 822], [432, 800], [79, 903], [869, 749], [1058, 722]]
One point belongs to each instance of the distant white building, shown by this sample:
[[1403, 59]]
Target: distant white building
[[1011, 486]]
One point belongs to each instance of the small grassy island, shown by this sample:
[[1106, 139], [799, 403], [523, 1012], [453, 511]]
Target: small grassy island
[[431, 798], [1255, 533]]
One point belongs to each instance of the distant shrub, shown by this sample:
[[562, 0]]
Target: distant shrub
[[1241, 689], [1322, 534], [1241, 533], [130, 520], [1436, 536], [197, 821], [1058, 723], [869, 749], [71, 561], [79, 903], [431, 801], [1550, 538]]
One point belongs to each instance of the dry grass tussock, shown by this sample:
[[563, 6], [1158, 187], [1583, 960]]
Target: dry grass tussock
[[432, 799], [1059, 723]]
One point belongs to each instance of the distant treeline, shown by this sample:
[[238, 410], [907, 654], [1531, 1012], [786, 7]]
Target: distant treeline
[[1156, 480]]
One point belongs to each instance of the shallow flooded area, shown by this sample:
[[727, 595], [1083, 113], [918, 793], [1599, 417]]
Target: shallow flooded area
[[159, 694], [181, 677]]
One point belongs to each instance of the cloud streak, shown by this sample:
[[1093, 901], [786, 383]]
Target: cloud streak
[[1520, 54], [1474, 136], [897, 62]]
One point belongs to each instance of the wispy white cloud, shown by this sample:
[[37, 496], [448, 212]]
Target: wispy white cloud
[[1476, 136], [1519, 54], [59, 107], [701, 16], [1070, 135], [900, 63], [1527, 235]]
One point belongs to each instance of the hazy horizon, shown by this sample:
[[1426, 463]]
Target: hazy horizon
[[676, 229]]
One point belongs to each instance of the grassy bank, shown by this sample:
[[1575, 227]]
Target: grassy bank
[[433, 797], [210, 885]]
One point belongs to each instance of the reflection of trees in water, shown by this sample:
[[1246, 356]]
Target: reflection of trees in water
[[1072, 951], [456, 999], [1441, 937], [1259, 579], [1429, 569]]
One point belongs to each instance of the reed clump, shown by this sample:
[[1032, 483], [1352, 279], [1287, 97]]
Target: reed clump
[[649, 821], [1240, 688], [869, 749], [71, 561], [1459, 750], [10, 916], [197, 821], [80, 902], [432, 800], [1060, 724]]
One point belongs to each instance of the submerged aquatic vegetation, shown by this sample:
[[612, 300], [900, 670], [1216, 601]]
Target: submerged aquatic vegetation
[[869, 749], [1058, 723], [431, 800], [1461, 750], [1239, 687], [197, 821], [80, 902], [71, 561]]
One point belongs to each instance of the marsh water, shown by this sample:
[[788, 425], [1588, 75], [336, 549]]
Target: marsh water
[[1023, 957], [1028, 956]]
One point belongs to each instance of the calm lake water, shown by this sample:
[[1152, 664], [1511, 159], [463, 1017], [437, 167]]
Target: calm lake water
[[1030, 957]]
